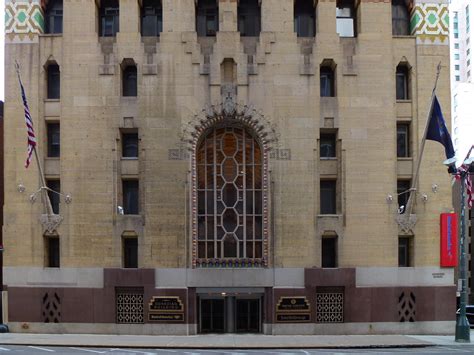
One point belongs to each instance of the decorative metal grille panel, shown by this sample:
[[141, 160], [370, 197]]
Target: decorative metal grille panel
[[129, 305], [330, 307], [407, 307], [51, 308]]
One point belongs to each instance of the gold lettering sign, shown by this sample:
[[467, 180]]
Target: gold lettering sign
[[166, 304], [293, 304]]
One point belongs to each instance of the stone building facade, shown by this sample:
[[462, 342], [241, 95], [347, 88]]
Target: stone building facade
[[226, 166]]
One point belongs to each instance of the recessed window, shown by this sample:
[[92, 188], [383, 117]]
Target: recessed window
[[456, 45], [404, 251], [305, 19], [54, 196], [403, 193], [129, 81], [402, 80], [130, 145], [54, 83], [207, 18], [327, 145], [130, 252], [130, 196], [400, 18], [327, 81], [52, 258], [328, 196], [152, 18], [249, 18], [53, 17], [403, 140], [456, 56], [456, 67], [329, 251], [108, 18], [345, 18], [458, 78], [54, 139]]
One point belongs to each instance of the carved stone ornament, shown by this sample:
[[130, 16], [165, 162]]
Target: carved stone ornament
[[50, 222], [407, 224], [229, 111]]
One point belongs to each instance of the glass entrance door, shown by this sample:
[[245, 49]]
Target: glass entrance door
[[212, 316], [247, 315]]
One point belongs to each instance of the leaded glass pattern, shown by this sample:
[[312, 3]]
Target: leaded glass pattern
[[229, 196]]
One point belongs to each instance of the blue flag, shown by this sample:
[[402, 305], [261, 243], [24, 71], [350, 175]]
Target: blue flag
[[437, 130]]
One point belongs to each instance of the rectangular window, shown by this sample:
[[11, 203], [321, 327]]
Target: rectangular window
[[53, 133], [456, 67], [130, 196], [403, 140], [130, 145], [456, 56], [249, 18], [456, 35], [327, 81], [327, 145], [458, 78], [404, 251], [403, 193], [207, 18], [402, 87], [54, 197], [152, 18], [456, 45], [345, 18], [130, 252], [54, 81], [304, 21], [328, 196], [52, 251], [109, 18], [329, 252]]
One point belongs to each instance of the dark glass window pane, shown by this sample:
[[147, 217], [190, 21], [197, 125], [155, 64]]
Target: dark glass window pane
[[53, 251], [207, 13], [400, 18], [109, 18], [130, 196], [54, 197], [54, 140], [130, 252], [152, 18], [403, 252], [402, 83], [249, 18], [327, 145], [305, 24], [54, 17], [129, 81], [329, 252], [53, 81], [403, 194], [403, 140], [130, 145], [327, 81], [328, 197]]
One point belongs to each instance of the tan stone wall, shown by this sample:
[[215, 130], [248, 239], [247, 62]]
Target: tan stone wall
[[173, 85]]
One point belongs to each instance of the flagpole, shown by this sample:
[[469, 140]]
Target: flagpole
[[44, 190], [410, 202]]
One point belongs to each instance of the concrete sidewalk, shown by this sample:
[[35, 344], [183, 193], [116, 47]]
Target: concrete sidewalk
[[225, 341]]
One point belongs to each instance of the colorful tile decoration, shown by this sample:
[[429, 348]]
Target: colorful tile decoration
[[24, 20], [430, 23]]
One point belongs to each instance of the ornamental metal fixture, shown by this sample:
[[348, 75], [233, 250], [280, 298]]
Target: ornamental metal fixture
[[407, 223]]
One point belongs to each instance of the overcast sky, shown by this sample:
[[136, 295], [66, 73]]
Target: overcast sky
[[2, 50]]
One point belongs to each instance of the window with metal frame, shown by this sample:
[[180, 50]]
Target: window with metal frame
[[230, 195], [129, 81], [54, 140], [346, 18], [403, 193], [402, 82], [129, 144], [152, 18], [54, 196], [52, 251], [400, 18], [248, 13], [329, 251], [404, 251], [130, 193], [130, 252], [109, 18], [403, 140], [327, 82], [53, 17], [207, 18], [305, 18], [53, 81], [328, 197], [327, 145]]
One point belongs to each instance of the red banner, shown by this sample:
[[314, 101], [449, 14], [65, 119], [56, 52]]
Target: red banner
[[449, 240]]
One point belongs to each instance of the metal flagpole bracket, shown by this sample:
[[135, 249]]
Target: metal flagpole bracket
[[50, 222]]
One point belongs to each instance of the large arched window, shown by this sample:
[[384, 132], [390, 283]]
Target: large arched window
[[230, 195]]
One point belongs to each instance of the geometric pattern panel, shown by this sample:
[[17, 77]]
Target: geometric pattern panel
[[407, 307], [430, 23], [24, 20], [330, 307], [129, 305], [51, 307]]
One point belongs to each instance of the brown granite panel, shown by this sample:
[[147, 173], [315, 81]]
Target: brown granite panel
[[329, 277], [77, 305], [437, 304], [268, 305], [191, 304], [25, 304], [129, 277]]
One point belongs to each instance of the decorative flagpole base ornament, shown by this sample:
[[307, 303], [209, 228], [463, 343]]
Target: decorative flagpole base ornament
[[407, 224], [50, 222]]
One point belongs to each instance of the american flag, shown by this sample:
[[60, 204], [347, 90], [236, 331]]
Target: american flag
[[29, 124], [468, 182]]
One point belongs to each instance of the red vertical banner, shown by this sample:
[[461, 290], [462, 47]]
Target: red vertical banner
[[449, 240]]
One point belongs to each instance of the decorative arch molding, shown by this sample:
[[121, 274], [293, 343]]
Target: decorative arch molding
[[232, 117]]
